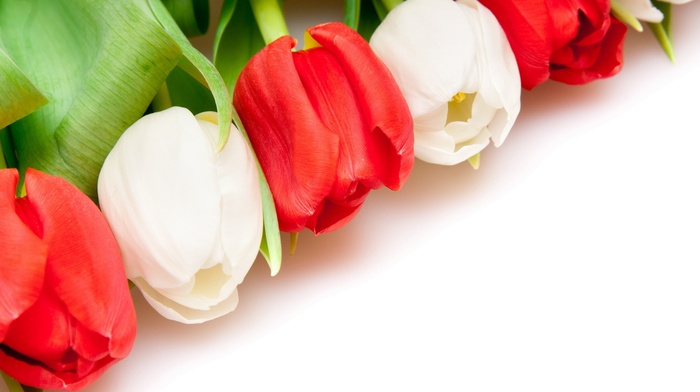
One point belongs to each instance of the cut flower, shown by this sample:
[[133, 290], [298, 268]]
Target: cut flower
[[453, 64], [66, 314], [187, 219], [328, 125]]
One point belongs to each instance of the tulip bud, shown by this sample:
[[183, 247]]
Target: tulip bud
[[66, 314], [188, 220], [328, 125], [453, 64]]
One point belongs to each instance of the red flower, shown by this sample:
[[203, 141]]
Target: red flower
[[66, 314], [328, 124], [572, 41]]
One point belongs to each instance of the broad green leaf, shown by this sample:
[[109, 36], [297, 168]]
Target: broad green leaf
[[203, 66], [192, 16], [99, 63], [18, 95], [237, 39]]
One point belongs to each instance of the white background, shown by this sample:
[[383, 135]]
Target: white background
[[568, 262]]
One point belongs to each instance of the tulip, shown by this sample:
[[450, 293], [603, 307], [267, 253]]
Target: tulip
[[574, 42], [188, 220], [66, 314], [453, 64], [327, 123]]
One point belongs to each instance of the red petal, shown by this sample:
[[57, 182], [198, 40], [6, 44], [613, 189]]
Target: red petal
[[528, 27], [22, 257], [84, 265], [389, 121], [297, 152]]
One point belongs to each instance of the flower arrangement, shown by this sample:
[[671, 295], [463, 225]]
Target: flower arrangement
[[129, 156]]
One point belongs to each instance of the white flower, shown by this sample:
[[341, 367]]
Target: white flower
[[457, 72], [644, 10], [188, 220]]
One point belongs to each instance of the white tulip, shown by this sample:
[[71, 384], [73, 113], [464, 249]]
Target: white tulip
[[188, 220], [644, 10], [457, 72]]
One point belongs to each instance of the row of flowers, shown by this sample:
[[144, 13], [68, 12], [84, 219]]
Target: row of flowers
[[109, 177]]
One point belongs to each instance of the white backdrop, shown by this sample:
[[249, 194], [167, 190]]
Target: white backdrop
[[568, 262]]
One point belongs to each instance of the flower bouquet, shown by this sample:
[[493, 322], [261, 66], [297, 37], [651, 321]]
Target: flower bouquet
[[136, 166]]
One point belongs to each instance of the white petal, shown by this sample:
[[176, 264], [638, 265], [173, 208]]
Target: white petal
[[429, 48], [177, 312], [241, 203], [499, 92], [642, 9], [159, 192]]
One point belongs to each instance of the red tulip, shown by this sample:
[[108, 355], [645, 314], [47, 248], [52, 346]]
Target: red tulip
[[328, 124], [572, 41], [66, 314]]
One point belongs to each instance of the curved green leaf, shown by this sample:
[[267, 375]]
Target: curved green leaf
[[198, 65], [192, 16], [18, 95], [99, 63]]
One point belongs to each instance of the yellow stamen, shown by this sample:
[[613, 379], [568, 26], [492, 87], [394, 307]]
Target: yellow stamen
[[459, 97]]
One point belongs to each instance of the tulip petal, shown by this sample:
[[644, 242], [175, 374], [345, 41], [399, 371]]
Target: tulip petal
[[299, 161], [22, 257], [413, 47], [175, 236], [76, 267], [386, 112]]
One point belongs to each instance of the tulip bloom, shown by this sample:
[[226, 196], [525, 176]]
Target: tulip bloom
[[574, 42], [453, 64], [187, 219], [328, 124], [66, 314]]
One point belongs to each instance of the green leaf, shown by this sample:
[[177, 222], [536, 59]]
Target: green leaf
[[185, 91], [203, 66], [99, 63], [369, 19], [14, 386], [271, 244], [18, 95], [662, 30], [237, 39], [351, 14], [192, 16]]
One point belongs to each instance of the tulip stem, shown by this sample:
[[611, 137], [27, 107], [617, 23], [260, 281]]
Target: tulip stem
[[7, 153], [162, 99], [270, 19]]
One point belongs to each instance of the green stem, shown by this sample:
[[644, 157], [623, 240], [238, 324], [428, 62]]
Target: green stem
[[7, 153], [270, 19], [390, 4]]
